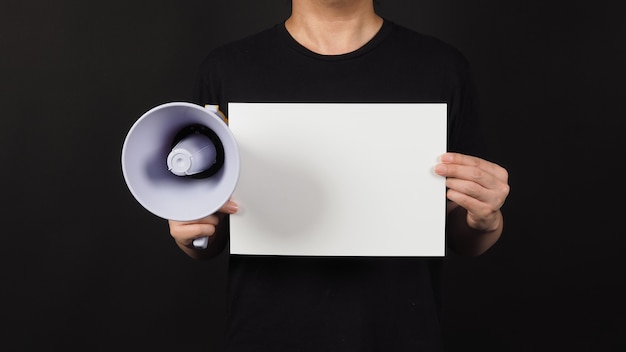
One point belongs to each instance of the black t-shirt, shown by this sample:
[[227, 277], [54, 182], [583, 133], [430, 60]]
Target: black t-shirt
[[328, 303]]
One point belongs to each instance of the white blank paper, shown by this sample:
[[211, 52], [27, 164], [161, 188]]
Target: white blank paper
[[339, 179]]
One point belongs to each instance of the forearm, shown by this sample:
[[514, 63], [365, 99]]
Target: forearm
[[466, 241]]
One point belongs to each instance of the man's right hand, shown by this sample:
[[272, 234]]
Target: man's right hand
[[185, 232]]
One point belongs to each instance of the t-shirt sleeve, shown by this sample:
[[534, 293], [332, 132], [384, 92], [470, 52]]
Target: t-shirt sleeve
[[206, 89], [465, 128]]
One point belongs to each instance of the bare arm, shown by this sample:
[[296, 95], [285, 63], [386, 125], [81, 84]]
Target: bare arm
[[214, 226], [477, 189]]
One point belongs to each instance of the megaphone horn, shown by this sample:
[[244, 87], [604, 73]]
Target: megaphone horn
[[181, 162]]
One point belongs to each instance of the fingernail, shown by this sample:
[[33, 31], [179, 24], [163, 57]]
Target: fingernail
[[441, 169], [446, 158], [232, 207]]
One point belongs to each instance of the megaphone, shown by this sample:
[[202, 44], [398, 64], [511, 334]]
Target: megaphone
[[181, 162]]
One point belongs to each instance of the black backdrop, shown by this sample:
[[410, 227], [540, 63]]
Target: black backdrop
[[85, 267]]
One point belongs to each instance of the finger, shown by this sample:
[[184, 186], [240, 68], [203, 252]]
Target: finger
[[193, 229], [472, 161], [473, 174], [209, 219], [480, 215], [187, 234], [494, 196], [471, 204], [468, 188], [230, 207]]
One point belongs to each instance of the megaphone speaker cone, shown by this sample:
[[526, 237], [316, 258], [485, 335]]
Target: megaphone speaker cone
[[167, 174]]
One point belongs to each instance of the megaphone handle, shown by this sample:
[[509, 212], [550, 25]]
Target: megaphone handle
[[201, 242]]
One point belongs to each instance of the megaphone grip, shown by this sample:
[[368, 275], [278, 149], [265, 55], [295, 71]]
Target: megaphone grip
[[201, 243]]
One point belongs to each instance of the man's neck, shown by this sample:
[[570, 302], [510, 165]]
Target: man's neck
[[333, 27]]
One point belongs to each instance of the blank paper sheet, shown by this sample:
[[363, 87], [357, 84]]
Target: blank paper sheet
[[339, 179]]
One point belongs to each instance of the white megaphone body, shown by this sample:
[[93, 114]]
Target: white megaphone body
[[181, 162]]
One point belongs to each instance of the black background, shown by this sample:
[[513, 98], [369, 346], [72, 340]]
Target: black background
[[84, 266]]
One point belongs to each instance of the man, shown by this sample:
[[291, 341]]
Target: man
[[343, 51]]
